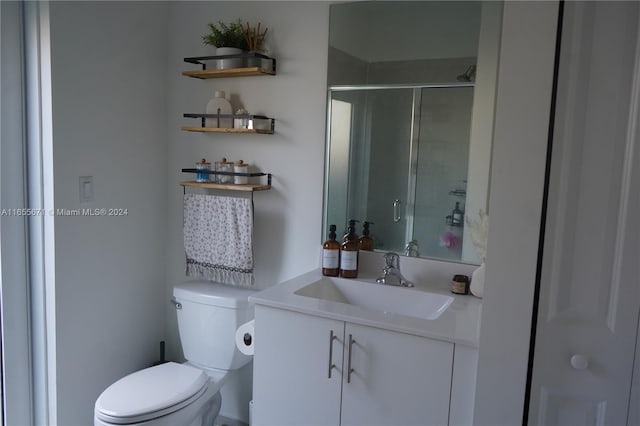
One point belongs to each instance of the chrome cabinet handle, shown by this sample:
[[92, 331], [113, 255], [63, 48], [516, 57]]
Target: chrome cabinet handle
[[332, 337], [349, 369], [396, 210]]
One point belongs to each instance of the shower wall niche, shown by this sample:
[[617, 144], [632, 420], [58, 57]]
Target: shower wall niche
[[398, 157]]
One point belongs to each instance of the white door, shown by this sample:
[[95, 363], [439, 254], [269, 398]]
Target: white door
[[396, 379], [293, 383], [590, 281]]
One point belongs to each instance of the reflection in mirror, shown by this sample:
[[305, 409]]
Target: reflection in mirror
[[409, 126]]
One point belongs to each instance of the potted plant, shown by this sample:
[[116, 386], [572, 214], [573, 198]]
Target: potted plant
[[234, 38], [228, 39]]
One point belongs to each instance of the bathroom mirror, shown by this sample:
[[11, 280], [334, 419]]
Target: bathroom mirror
[[411, 89]]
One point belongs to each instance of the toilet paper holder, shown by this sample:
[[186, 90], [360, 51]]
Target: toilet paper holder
[[245, 338]]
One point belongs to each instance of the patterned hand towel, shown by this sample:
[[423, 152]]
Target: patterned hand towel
[[218, 238]]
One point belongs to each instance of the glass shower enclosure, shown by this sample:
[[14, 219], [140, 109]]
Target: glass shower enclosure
[[397, 156]]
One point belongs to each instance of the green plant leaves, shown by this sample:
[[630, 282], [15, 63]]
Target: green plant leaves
[[226, 35]]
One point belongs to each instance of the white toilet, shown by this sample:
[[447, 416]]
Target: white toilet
[[188, 394]]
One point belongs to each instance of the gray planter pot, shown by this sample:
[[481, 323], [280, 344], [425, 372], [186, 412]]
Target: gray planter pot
[[222, 64], [255, 61]]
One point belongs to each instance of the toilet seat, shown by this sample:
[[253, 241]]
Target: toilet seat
[[151, 393]]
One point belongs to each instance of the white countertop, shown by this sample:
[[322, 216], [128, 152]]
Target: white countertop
[[460, 323]]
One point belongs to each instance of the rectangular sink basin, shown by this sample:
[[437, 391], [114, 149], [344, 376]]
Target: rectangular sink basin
[[378, 297]]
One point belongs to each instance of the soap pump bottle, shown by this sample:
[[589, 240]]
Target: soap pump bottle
[[365, 242], [331, 254], [219, 105], [349, 254], [352, 224], [456, 215]]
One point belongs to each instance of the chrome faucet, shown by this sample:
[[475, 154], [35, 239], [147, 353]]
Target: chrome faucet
[[391, 272], [411, 249]]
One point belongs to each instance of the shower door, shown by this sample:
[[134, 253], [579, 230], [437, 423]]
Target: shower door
[[440, 171], [389, 201]]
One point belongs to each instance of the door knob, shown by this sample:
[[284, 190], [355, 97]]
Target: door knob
[[579, 362]]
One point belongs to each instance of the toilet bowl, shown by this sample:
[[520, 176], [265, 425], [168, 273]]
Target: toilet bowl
[[188, 394], [168, 394]]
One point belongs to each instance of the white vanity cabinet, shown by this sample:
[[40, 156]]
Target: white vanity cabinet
[[302, 375]]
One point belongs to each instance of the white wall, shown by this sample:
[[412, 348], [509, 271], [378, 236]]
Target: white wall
[[109, 120], [417, 30], [482, 120], [523, 103], [118, 100], [287, 224]]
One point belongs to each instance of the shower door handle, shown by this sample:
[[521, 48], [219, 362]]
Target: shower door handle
[[397, 205]]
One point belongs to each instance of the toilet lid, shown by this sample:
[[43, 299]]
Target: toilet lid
[[151, 392]]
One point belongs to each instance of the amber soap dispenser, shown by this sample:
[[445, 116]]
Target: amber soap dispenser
[[349, 254], [365, 242], [352, 223], [331, 254]]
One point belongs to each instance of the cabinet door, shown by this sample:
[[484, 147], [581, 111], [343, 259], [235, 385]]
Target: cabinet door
[[291, 383], [396, 378]]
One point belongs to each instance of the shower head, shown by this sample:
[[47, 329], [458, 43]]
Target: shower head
[[469, 75]]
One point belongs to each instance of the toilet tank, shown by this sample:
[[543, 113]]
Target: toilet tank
[[208, 316]]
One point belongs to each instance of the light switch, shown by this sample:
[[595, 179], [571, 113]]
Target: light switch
[[86, 189]]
